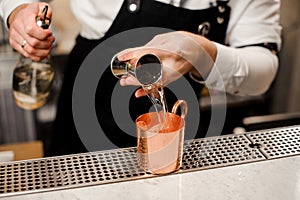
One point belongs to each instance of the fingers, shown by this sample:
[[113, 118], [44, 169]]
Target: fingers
[[173, 64], [31, 47], [128, 80], [135, 53], [140, 93], [23, 27], [31, 52]]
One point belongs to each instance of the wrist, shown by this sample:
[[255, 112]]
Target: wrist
[[195, 76]]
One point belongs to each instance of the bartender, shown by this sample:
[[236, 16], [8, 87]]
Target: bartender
[[241, 37]]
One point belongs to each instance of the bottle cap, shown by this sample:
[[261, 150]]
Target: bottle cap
[[43, 21]]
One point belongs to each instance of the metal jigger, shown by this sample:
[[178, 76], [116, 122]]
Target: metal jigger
[[147, 69]]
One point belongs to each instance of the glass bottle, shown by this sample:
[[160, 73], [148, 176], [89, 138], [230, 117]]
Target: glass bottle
[[32, 80]]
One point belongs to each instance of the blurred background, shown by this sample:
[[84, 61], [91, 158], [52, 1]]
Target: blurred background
[[32, 128]]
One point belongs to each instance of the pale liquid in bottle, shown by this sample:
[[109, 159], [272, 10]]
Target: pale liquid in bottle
[[31, 84]]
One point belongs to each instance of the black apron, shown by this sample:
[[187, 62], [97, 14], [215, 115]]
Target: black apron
[[211, 22]]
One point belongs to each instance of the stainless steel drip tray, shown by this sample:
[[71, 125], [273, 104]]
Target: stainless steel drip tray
[[277, 143], [79, 170]]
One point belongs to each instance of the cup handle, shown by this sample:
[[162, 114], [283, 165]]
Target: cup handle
[[184, 107]]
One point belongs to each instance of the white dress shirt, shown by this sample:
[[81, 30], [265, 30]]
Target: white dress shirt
[[244, 71]]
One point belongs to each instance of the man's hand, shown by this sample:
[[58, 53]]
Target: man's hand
[[25, 36], [180, 52]]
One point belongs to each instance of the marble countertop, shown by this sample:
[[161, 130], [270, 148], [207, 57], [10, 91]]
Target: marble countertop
[[277, 179]]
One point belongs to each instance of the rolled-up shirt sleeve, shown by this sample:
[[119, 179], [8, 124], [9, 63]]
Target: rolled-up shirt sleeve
[[244, 71], [7, 6], [249, 70]]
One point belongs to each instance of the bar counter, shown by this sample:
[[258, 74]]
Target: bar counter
[[254, 165]]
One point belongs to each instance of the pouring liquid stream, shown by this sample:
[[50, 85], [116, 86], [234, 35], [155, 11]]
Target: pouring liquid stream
[[156, 94], [147, 69]]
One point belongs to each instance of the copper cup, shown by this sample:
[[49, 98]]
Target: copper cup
[[160, 147]]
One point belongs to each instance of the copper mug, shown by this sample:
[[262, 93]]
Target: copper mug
[[159, 150]]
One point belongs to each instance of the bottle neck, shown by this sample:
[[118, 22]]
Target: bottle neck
[[45, 60]]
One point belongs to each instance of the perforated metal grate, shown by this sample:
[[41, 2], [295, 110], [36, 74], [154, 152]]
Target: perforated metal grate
[[277, 143], [69, 171], [218, 152], [121, 164]]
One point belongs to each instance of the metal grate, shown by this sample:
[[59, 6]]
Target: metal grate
[[277, 143], [218, 152], [69, 171], [121, 164]]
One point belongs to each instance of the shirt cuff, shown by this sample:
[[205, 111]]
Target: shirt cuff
[[225, 75], [8, 6]]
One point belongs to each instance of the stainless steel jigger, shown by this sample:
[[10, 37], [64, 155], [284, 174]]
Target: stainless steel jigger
[[147, 69]]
